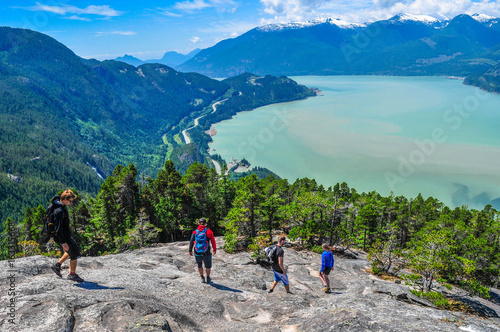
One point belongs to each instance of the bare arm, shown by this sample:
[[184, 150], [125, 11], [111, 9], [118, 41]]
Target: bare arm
[[280, 263]]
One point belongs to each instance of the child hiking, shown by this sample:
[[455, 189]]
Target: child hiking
[[201, 239], [327, 262]]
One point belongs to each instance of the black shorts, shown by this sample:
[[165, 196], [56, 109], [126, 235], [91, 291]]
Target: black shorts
[[74, 250], [207, 259], [327, 270]]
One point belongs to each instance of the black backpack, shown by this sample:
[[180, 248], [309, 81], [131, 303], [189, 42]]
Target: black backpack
[[49, 227]]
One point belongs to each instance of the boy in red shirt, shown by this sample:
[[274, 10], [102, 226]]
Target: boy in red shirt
[[200, 240]]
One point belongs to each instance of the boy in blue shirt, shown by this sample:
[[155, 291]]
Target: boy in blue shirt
[[327, 262]]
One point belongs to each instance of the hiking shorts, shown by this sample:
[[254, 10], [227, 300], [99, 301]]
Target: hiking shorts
[[281, 277], [326, 271], [207, 259], [74, 250]]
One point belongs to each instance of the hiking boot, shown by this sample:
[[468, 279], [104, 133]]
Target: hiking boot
[[203, 280], [75, 277], [209, 280], [324, 289], [57, 269], [270, 290], [328, 290]]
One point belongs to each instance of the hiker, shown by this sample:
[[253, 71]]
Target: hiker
[[327, 262], [63, 236], [200, 241], [278, 267]]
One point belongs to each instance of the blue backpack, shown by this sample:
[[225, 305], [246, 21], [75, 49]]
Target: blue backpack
[[201, 241]]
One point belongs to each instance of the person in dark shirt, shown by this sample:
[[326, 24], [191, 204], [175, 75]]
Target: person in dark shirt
[[202, 253], [63, 236], [278, 267]]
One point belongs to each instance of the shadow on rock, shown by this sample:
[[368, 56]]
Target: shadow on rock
[[495, 296], [94, 286], [479, 307], [225, 288]]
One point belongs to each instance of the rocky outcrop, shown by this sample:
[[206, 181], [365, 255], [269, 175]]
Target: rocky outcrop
[[158, 289]]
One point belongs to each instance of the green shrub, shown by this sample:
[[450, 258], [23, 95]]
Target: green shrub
[[436, 298], [230, 241]]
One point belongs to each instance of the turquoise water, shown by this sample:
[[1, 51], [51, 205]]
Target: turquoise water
[[408, 135]]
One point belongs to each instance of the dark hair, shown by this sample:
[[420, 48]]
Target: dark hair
[[202, 221], [281, 238]]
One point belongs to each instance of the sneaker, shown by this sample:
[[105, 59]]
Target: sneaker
[[328, 291], [270, 290], [203, 280], [324, 289], [75, 277], [57, 269], [209, 280]]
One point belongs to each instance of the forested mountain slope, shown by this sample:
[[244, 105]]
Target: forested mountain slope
[[66, 121]]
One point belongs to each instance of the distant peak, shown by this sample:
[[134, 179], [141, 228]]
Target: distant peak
[[404, 17], [300, 25]]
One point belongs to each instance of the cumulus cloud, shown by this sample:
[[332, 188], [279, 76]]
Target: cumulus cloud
[[105, 10], [195, 40]]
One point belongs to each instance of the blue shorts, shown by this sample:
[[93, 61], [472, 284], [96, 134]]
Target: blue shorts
[[281, 277], [207, 259]]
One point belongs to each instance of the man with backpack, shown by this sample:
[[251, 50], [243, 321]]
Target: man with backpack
[[200, 242], [57, 226], [278, 267]]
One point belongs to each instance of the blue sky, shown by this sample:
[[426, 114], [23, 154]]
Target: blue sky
[[106, 29]]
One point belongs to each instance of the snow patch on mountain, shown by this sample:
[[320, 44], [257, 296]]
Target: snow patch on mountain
[[299, 25], [404, 17], [482, 17]]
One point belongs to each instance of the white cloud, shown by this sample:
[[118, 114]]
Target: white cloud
[[122, 33], [168, 13], [77, 18], [105, 10], [195, 40], [196, 5], [191, 5]]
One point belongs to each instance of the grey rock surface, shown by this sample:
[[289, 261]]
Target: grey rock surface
[[158, 289]]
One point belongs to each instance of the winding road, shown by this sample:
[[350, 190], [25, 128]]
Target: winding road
[[196, 122]]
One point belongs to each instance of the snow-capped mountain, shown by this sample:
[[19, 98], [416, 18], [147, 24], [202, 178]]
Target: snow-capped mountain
[[300, 25], [404, 17], [405, 44]]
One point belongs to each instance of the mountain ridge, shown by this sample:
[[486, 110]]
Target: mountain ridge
[[170, 58], [331, 47]]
